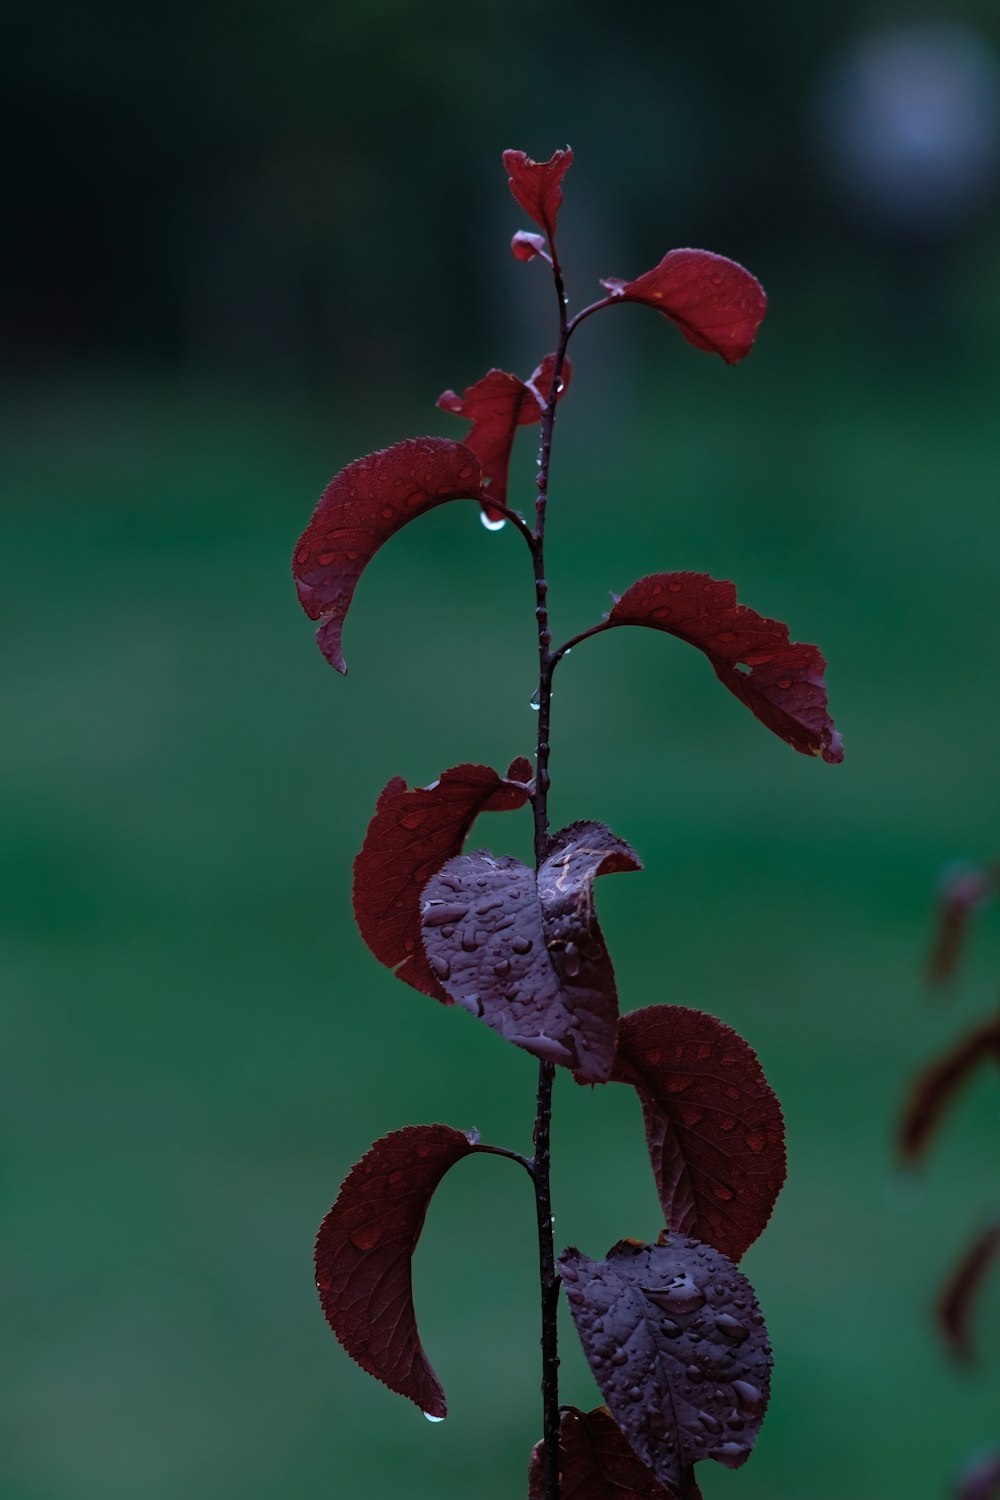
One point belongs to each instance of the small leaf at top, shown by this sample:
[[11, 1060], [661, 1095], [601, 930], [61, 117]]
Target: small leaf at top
[[596, 1463], [525, 246], [954, 1306], [360, 509], [963, 892], [496, 406], [935, 1088], [413, 832], [980, 1477], [784, 685], [364, 1252], [713, 1123], [536, 185], [525, 953], [677, 1344], [717, 305]]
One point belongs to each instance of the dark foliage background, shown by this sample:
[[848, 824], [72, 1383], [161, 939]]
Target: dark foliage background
[[246, 243]]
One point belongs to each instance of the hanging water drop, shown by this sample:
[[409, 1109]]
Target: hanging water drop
[[491, 525], [429, 1418], [535, 701]]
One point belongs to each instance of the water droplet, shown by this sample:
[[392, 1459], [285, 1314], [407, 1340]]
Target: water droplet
[[429, 1418], [437, 913], [521, 945], [535, 701], [731, 1328], [747, 1395], [727, 1122], [469, 943], [683, 1295], [491, 525], [691, 1115], [502, 969], [367, 1237], [441, 967], [756, 1142], [709, 1422], [571, 961], [619, 1357], [635, 1393], [413, 820]]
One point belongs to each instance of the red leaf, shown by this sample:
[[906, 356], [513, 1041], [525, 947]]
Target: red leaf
[[360, 509], [964, 891], [596, 1463], [411, 835], [980, 1478], [783, 686], [713, 1123], [954, 1307], [536, 185], [525, 953], [525, 246], [364, 1250], [678, 1347], [496, 406], [934, 1089], [717, 305]]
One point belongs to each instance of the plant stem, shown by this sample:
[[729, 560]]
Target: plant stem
[[546, 1073]]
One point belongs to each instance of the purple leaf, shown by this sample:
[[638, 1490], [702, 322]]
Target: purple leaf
[[713, 1123], [364, 1251], [360, 509], [955, 1304], [783, 686], [596, 1463], [526, 954], [715, 302], [677, 1344], [411, 835], [537, 185], [525, 246]]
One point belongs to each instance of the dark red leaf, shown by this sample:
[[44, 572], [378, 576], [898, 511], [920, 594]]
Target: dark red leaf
[[717, 305], [783, 686], [364, 1251], [713, 1123], [980, 1477], [964, 891], [414, 831], [536, 185], [525, 246], [596, 1463], [360, 509], [954, 1306], [496, 406], [935, 1088], [526, 954], [678, 1346]]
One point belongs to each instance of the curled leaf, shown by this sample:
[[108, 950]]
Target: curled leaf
[[525, 952], [935, 1088], [955, 1304], [714, 1127], [783, 684], [525, 246], [364, 1252], [414, 831], [677, 1344], [716, 303], [360, 509], [596, 1463], [964, 890], [537, 185], [496, 406]]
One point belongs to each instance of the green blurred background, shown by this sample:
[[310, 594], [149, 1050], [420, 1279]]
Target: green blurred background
[[247, 243]]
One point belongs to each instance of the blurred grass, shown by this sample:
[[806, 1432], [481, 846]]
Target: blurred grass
[[198, 1046]]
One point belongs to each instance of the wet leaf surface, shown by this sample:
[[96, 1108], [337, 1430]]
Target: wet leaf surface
[[364, 1252], [714, 1127], [414, 831], [677, 1344], [715, 302], [782, 684], [360, 509], [526, 954], [537, 185]]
